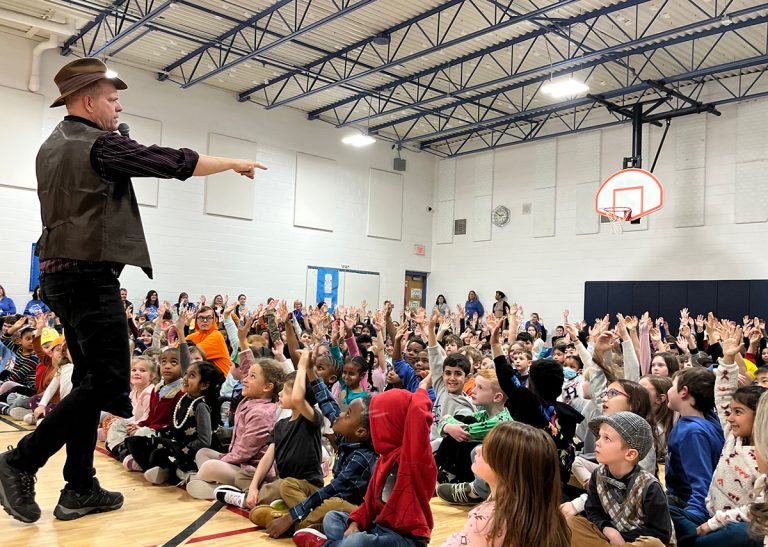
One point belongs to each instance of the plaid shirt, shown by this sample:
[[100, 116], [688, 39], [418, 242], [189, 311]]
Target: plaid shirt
[[353, 467]]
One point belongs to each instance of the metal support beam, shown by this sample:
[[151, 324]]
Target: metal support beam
[[470, 59], [482, 120], [497, 137], [219, 51], [439, 41]]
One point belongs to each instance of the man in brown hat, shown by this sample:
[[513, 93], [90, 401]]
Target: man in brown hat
[[91, 230]]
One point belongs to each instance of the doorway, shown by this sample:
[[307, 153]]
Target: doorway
[[415, 295]]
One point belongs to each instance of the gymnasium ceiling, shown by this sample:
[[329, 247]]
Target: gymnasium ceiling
[[449, 77]]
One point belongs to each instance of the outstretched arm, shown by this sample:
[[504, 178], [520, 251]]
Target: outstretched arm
[[210, 165]]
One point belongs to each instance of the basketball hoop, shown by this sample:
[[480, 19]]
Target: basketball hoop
[[617, 215]]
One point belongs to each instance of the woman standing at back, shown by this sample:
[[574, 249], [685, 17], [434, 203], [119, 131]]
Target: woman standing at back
[[473, 306]]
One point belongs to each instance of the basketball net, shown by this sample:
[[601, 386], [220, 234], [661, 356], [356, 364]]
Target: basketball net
[[617, 216]]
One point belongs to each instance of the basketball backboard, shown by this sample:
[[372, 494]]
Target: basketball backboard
[[632, 193]]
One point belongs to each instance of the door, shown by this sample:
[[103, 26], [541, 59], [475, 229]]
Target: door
[[415, 290]]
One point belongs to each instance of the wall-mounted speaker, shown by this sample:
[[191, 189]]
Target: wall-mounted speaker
[[399, 164]]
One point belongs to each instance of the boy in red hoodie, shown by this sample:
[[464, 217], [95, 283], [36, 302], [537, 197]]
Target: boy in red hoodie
[[396, 509]]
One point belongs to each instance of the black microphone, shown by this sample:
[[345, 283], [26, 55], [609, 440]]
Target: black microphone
[[124, 129]]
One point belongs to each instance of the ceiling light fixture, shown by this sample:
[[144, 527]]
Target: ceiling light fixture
[[382, 39], [565, 88], [358, 140], [726, 20]]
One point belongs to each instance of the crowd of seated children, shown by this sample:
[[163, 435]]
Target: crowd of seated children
[[443, 403]]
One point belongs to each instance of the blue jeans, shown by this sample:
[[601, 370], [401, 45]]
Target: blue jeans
[[732, 535], [335, 524], [89, 306]]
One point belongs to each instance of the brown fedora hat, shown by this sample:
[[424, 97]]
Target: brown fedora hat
[[80, 73]]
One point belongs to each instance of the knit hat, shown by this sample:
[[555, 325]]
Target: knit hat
[[58, 341], [49, 335], [633, 429]]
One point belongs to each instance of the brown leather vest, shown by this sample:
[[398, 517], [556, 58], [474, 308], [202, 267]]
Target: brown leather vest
[[85, 216]]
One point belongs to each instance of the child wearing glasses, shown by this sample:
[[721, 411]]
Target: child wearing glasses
[[208, 338]]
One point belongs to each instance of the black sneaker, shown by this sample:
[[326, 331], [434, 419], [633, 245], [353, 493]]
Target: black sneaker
[[17, 492], [458, 494], [73, 505]]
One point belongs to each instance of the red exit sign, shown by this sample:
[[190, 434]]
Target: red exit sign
[[419, 250]]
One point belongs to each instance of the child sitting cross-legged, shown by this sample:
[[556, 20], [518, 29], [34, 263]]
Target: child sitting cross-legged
[[293, 448], [462, 433], [396, 508], [352, 469], [626, 504], [519, 463], [694, 444], [736, 475]]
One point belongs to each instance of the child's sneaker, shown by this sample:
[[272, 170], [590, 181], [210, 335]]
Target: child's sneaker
[[18, 412], [262, 515], [230, 495], [130, 464], [5, 409], [157, 475], [458, 494], [29, 419], [279, 505], [309, 537]]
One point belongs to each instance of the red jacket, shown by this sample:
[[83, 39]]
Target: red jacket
[[400, 422]]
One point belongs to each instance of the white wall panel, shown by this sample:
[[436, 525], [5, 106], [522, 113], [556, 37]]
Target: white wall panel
[[444, 231], [544, 212], [20, 136], [385, 204], [751, 203], [686, 197], [481, 218], [229, 194], [316, 192]]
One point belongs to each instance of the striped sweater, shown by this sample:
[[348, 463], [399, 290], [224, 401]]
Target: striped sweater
[[24, 370]]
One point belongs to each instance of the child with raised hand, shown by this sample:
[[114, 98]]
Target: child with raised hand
[[737, 472], [695, 443], [195, 417], [253, 424], [657, 387], [293, 448], [396, 508], [449, 373], [162, 403], [59, 387], [352, 469], [520, 465], [461, 434], [626, 504]]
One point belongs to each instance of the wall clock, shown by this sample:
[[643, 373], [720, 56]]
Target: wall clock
[[500, 216]]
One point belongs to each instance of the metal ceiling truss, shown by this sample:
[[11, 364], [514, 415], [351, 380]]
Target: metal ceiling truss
[[282, 22], [689, 51], [675, 96], [436, 27], [461, 74]]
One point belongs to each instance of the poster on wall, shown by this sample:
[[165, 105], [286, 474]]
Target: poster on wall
[[328, 287], [34, 270]]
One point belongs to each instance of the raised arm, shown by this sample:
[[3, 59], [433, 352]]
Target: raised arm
[[298, 395]]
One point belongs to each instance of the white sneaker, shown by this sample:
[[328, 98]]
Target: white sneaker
[[130, 464], [157, 475], [29, 419], [18, 412], [230, 495]]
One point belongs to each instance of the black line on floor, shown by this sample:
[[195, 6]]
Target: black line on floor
[[187, 532], [13, 424]]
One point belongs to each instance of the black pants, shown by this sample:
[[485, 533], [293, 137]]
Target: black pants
[[455, 457], [89, 306]]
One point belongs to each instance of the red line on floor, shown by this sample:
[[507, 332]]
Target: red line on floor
[[237, 510], [222, 535]]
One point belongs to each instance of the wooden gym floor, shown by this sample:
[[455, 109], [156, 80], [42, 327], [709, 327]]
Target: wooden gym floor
[[152, 515]]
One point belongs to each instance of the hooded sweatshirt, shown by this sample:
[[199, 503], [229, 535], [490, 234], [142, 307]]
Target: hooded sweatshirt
[[400, 423], [212, 343]]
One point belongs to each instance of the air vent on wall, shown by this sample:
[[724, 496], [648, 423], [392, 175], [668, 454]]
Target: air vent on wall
[[527, 208], [460, 227]]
